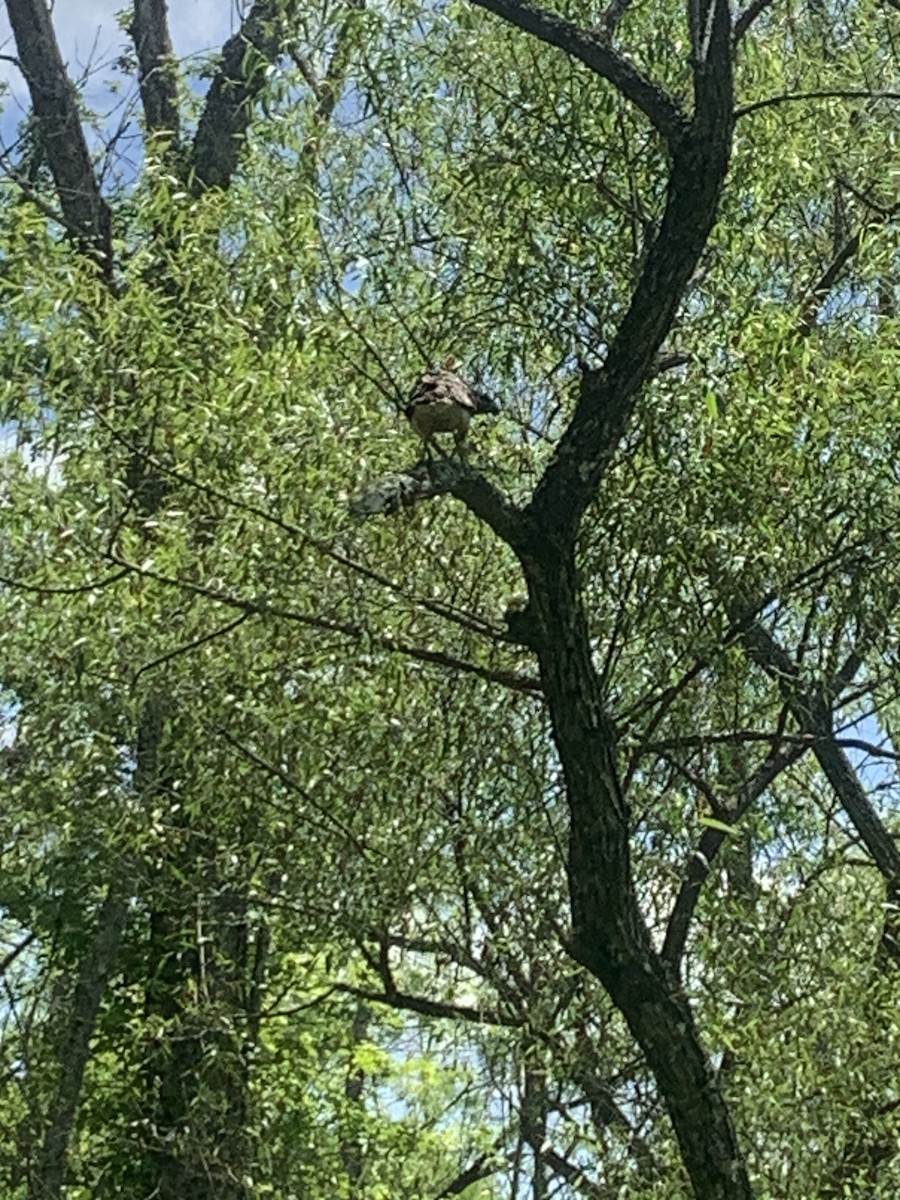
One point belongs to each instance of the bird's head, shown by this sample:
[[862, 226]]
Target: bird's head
[[485, 404]]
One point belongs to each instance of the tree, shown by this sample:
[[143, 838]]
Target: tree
[[418, 855]]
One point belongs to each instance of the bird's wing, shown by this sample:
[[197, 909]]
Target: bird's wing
[[443, 387]]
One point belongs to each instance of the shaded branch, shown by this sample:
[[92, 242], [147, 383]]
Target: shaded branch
[[575, 1176], [821, 289], [748, 16], [615, 11], [93, 974], [157, 76], [593, 50], [240, 78], [823, 94], [811, 708], [510, 679], [607, 396], [394, 998], [711, 842], [54, 99]]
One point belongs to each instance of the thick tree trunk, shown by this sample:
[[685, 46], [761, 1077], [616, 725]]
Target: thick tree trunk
[[75, 1044], [609, 934]]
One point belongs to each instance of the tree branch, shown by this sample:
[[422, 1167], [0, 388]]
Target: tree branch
[[812, 710], [327, 90], [149, 30], [394, 998], [711, 842], [823, 94], [510, 679], [607, 396], [240, 79], [55, 104], [593, 50], [748, 16], [438, 477]]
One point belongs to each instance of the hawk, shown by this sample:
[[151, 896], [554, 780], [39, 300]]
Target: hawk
[[442, 402]]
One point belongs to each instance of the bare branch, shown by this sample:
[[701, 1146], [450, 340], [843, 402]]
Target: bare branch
[[11, 955], [437, 477], [329, 819], [194, 644], [77, 589], [824, 94]]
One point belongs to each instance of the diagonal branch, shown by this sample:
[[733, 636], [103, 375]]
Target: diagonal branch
[[593, 50], [246, 57], [607, 397], [748, 16], [344, 629], [55, 104], [711, 842], [94, 972], [327, 90], [812, 709]]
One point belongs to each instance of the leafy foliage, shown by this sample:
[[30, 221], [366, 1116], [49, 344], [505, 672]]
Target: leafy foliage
[[310, 754]]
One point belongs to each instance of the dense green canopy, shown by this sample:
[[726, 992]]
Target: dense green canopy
[[537, 838]]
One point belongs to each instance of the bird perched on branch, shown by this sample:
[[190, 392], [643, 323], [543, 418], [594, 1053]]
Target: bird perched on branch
[[442, 402]]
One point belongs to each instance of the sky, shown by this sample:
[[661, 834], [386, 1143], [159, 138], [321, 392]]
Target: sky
[[89, 35]]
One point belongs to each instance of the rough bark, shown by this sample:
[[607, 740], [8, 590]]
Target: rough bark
[[609, 934], [93, 974], [700, 155], [55, 104], [221, 132], [157, 75]]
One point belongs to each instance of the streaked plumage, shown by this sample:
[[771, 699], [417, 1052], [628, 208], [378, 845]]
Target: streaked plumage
[[442, 402]]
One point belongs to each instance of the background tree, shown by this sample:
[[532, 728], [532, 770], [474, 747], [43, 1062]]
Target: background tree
[[538, 839]]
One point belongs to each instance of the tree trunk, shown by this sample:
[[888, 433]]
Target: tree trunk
[[609, 934], [90, 986]]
